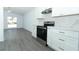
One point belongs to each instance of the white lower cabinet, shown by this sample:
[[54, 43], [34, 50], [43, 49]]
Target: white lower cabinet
[[34, 32], [62, 42], [62, 47]]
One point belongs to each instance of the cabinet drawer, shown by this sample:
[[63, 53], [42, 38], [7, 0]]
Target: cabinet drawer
[[55, 45], [66, 33], [54, 35], [69, 48], [66, 40], [62, 47], [69, 42]]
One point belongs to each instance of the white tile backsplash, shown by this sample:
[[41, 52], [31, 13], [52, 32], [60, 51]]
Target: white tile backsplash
[[47, 17], [67, 21]]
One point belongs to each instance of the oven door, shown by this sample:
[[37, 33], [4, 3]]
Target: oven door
[[42, 33], [39, 32]]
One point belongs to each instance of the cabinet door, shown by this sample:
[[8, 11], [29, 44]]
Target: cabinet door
[[60, 11], [69, 48], [61, 42], [62, 47], [57, 11], [49, 37], [71, 10], [34, 32]]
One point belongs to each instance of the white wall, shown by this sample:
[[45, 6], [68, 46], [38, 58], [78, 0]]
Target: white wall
[[67, 21], [30, 18], [60, 11], [19, 19], [1, 25]]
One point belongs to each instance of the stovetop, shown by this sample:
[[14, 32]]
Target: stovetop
[[41, 27]]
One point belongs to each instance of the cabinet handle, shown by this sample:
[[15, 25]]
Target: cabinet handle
[[61, 48], [61, 39]]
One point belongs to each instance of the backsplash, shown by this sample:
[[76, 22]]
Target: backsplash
[[66, 21], [46, 17]]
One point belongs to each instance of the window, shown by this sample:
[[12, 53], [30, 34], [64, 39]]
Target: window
[[12, 22]]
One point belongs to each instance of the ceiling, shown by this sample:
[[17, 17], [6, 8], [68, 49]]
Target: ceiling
[[19, 10]]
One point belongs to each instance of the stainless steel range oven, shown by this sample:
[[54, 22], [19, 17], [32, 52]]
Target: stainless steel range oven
[[42, 30]]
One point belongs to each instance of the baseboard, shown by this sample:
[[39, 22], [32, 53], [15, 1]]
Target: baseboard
[[17, 28], [27, 30], [12, 28]]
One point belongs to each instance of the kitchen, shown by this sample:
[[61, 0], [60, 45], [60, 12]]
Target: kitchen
[[56, 27], [64, 35]]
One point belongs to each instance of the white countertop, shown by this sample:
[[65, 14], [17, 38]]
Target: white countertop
[[71, 26], [66, 28]]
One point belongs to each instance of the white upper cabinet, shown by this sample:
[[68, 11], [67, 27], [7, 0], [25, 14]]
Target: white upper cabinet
[[61, 11], [57, 11]]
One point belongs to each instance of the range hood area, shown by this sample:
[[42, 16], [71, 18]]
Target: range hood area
[[47, 11]]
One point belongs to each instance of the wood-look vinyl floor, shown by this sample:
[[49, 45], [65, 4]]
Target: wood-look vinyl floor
[[22, 40]]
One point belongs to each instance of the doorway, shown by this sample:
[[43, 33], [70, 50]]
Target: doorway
[[12, 22]]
